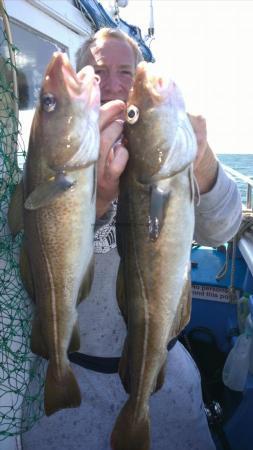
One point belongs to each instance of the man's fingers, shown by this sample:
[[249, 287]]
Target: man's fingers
[[108, 180], [111, 111], [118, 162], [198, 123], [113, 155], [108, 137]]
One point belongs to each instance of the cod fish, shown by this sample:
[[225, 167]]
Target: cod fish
[[155, 224], [57, 199]]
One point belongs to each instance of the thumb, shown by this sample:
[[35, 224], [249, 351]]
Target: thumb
[[109, 112]]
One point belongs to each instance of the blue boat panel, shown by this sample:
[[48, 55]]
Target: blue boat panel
[[220, 318], [213, 312], [248, 281], [239, 429], [217, 315], [208, 262]]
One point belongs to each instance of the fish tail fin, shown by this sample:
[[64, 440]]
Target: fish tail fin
[[61, 393], [131, 433]]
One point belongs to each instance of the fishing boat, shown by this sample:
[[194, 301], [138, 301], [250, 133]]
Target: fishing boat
[[221, 277]]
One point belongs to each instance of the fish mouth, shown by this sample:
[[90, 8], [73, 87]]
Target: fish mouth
[[89, 82], [61, 77], [153, 86]]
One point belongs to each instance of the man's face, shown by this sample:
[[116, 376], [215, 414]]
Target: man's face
[[114, 61]]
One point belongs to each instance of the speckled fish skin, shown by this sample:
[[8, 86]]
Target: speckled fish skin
[[59, 216], [155, 223]]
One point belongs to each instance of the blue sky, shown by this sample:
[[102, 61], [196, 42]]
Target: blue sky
[[207, 47]]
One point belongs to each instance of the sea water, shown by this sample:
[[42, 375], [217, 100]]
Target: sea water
[[243, 163]]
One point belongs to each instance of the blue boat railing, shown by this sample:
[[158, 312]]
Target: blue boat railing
[[246, 180]]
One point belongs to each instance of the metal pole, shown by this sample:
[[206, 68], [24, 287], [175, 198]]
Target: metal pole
[[249, 197], [151, 29]]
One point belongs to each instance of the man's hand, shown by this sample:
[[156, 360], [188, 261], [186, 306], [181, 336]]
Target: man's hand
[[206, 164], [113, 155]]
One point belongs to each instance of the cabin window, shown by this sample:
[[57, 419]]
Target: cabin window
[[39, 28], [34, 52]]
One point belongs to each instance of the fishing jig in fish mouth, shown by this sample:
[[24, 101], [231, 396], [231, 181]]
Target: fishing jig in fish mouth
[[158, 204], [48, 102], [132, 114]]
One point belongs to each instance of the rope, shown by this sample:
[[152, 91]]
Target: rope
[[246, 224], [231, 289]]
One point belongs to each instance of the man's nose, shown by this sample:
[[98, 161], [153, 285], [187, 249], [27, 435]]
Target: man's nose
[[113, 83]]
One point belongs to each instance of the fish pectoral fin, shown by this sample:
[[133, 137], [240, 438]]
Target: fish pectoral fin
[[15, 210], [26, 273], [61, 393], [159, 199], [38, 345], [75, 340], [86, 282], [47, 192]]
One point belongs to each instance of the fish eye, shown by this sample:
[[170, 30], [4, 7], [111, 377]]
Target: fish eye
[[132, 114], [48, 102]]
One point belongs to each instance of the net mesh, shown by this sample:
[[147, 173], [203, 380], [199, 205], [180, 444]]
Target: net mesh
[[21, 373]]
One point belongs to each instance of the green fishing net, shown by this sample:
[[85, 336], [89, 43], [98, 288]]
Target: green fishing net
[[21, 372]]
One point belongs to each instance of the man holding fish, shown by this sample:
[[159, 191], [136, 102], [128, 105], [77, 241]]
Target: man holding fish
[[176, 410]]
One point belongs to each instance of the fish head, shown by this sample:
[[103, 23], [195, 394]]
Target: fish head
[[65, 125], [158, 133]]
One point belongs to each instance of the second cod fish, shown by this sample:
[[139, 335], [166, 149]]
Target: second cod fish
[[58, 209], [155, 224]]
